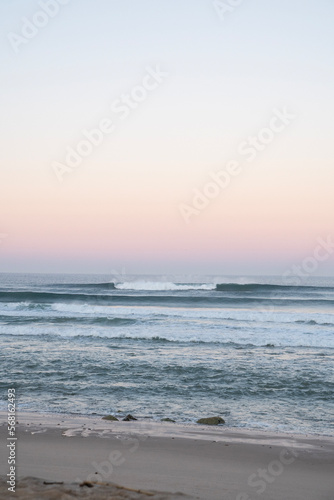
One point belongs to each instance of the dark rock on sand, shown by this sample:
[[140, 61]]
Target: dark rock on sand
[[167, 420], [211, 421], [110, 417], [128, 418]]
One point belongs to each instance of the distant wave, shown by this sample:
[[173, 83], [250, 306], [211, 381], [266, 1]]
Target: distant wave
[[156, 286], [170, 299], [66, 320], [97, 286], [153, 286], [256, 287], [117, 338], [41, 297], [313, 322], [163, 286]]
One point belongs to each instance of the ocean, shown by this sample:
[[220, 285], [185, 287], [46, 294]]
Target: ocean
[[256, 352]]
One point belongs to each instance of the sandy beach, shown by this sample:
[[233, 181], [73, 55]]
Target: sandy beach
[[204, 462]]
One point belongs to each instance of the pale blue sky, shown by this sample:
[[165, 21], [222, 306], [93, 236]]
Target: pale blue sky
[[225, 78]]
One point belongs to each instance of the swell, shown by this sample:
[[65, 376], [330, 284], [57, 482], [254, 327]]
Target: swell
[[205, 300], [111, 341], [117, 321], [313, 322], [139, 286], [66, 320], [254, 287], [97, 286], [142, 286], [168, 286]]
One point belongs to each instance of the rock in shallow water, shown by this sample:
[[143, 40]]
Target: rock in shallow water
[[211, 421], [128, 418], [110, 417], [167, 420]]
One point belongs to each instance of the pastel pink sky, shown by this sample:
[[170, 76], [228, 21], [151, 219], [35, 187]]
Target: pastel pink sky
[[121, 206]]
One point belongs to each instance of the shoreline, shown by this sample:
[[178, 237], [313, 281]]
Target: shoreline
[[51, 419], [206, 462]]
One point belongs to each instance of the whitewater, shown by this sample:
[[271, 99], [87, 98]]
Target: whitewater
[[257, 352]]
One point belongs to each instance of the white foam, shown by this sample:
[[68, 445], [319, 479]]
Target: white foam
[[192, 313], [163, 286], [196, 330]]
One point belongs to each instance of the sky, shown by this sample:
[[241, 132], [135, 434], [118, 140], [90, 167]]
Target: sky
[[166, 136]]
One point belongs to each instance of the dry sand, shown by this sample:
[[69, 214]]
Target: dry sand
[[203, 462], [30, 488]]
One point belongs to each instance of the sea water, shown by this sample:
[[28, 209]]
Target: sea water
[[256, 352]]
